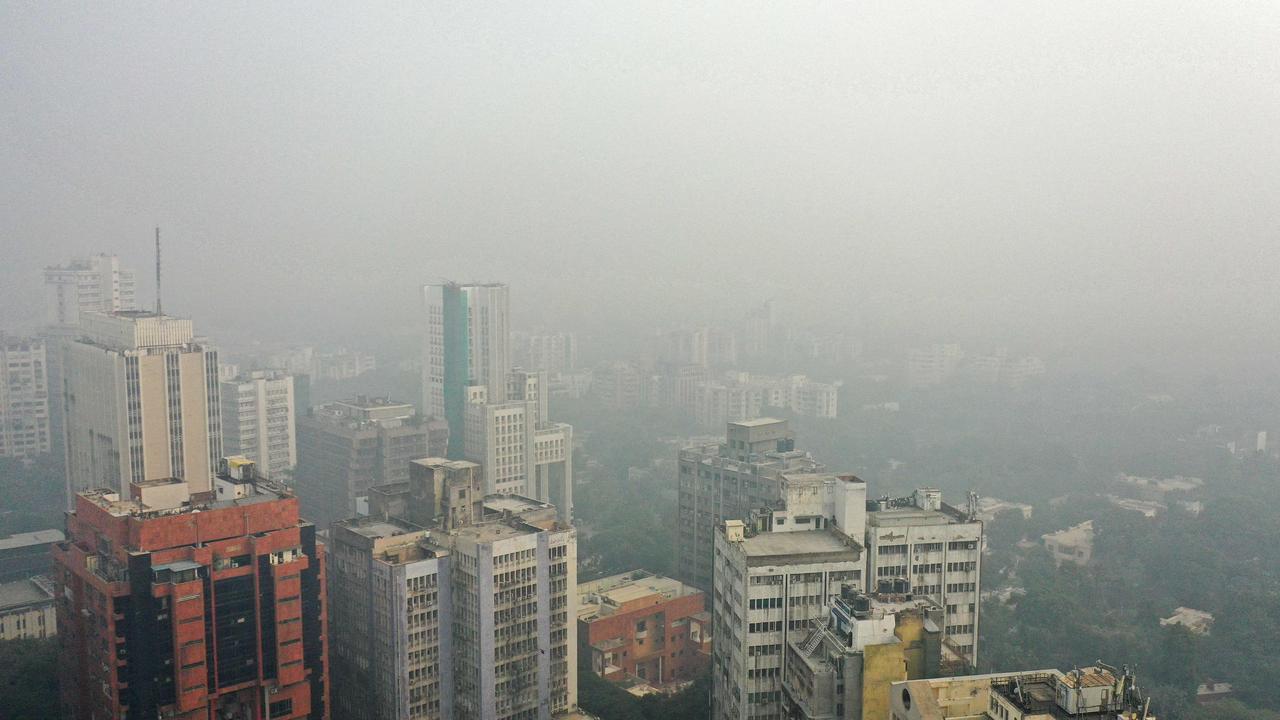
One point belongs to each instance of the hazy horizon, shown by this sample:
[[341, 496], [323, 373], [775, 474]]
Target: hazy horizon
[[1091, 175]]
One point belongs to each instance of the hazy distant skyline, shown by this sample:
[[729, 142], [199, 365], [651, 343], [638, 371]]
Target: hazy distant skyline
[[1008, 169]]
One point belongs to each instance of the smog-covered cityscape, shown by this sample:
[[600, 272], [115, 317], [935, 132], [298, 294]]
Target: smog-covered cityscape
[[662, 361]]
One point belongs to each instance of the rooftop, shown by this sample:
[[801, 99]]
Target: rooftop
[[37, 537], [377, 528], [783, 544], [606, 595], [757, 422], [25, 592]]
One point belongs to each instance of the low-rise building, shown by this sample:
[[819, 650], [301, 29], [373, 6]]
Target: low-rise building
[[28, 609], [638, 625], [25, 554], [1197, 621], [1073, 545], [1099, 692]]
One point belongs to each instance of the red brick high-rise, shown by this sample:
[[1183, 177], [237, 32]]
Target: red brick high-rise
[[206, 606]]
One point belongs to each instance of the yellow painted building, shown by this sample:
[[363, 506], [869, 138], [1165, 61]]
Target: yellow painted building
[[844, 669]]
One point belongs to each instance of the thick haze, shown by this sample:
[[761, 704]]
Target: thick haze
[[1033, 171]]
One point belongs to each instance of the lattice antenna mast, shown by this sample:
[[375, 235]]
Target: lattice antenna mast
[[158, 306]]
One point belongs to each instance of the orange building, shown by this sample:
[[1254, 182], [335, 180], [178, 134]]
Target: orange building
[[643, 626], [182, 605]]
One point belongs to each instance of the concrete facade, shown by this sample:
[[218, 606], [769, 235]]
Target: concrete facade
[[936, 549], [141, 401], [25, 412], [522, 452], [1100, 692], [773, 576], [726, 481], [389, 598], [258, 421], [346, 447], [94, 284]]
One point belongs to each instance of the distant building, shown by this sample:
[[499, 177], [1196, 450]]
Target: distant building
[[25, 554], [93, 284], [185, 605], [842, 669], [468, 616], [1073, 545], [638, 625], [28, 609], [936, 549], [346, 447], [1090, 693], [619, 386], [773, 576], [341, 364], [933, 365], [989, 508], [726, 481], [702, 346], [554, 353], [1211, 692], [142, 403], [738, 396], [25, 401], [1198, 622], [258, 421], [468, 343]]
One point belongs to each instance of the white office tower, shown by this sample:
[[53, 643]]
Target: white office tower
[[937, 550], [522, 452], [467, 342], [774, 575], [258, 421], [141, 402], [24, 397], [94, 284]]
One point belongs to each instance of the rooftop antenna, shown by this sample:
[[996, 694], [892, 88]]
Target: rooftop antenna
[[158, 308]]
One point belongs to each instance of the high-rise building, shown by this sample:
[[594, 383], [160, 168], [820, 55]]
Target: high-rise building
[[937, 550], [842, 669], [258, 421], [522, 452], [467, 343], [468, 616], [24, 398], [93, 284], [553, 352], [1098, 692], [346, 447], [391, 638], [726, 482], [141, 399], [773, 576], [189, 605], [642, 625]]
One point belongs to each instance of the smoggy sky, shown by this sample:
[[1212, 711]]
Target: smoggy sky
[[1040, 170]]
